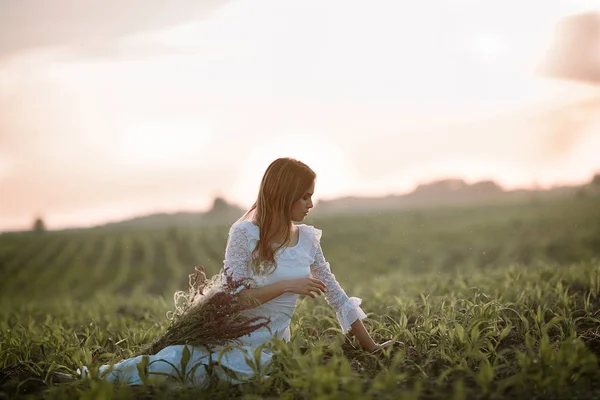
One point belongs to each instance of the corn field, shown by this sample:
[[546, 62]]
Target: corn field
[[491, 302]]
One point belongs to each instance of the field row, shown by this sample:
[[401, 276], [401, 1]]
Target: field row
[[117, 262], [81, 263]]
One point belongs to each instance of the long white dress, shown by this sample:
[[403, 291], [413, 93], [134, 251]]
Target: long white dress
[[302, 260]]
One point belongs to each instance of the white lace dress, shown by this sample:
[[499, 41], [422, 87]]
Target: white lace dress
[[302, 260]]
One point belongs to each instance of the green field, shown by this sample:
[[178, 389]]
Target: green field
[[490, 302]]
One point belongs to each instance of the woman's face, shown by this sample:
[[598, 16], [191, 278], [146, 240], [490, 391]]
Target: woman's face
[[301, 207]]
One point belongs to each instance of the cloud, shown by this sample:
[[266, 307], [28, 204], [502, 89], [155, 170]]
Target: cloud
[[576, 52], [29, 24], [564, 128]]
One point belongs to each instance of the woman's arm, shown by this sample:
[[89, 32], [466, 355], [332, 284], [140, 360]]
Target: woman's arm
[[265, 293], [361, 333], [306, 286], [365, 340], [348, 311], [301, 286]]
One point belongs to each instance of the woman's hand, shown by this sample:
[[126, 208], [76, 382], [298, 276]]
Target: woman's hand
[[306, 286]]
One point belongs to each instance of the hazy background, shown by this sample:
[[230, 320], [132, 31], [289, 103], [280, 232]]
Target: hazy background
[[121, 108]]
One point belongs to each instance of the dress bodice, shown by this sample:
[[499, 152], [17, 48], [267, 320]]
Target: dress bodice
[[292, 262]]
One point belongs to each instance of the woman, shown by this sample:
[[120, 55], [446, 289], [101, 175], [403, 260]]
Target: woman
[[279, 261]]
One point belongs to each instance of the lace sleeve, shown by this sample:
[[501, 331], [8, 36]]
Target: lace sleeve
[[237, 273], [347, 309]]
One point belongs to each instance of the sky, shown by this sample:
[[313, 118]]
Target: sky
[[113, 109]]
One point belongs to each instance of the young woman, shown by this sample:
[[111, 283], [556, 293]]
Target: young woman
[[279, 261]]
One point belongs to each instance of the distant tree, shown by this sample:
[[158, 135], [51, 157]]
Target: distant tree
[[38, 225], [596, 180], [219, 205]]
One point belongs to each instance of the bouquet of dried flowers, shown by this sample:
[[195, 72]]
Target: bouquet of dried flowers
[[209, 314]]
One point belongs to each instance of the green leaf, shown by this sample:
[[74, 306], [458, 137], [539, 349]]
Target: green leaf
[[106, 355], [460, 332], [505, 332], [474, 333], [142, 368], [185, 359]]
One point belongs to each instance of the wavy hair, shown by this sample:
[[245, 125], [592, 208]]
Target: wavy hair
[[284, 182]]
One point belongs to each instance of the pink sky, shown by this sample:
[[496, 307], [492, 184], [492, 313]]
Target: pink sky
[[105, 115]]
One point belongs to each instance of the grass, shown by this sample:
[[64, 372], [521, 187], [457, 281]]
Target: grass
[[490, 302]]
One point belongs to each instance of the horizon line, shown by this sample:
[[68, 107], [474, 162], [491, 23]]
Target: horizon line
[[504, 188]]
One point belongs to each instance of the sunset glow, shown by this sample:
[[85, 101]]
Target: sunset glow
[[161, 142], [326, 159], [375, 99]]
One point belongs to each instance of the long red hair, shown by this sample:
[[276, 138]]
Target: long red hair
[[284, 182]]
